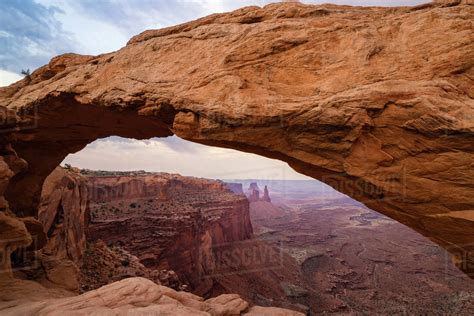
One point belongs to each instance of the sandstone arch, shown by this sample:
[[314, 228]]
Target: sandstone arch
[[377, 102]]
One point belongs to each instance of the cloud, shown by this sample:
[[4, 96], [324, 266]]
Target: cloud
[[7, 77], [30, 35], [175, 155], [118, 20], [32, 32]]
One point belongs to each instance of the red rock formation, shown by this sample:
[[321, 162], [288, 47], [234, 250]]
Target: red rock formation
[[179, 232], [376, 102], [202, 231], [253, 192], [190, 231], [103, 265], [132, 296], [13, 232], [266, 195], [64, 214]]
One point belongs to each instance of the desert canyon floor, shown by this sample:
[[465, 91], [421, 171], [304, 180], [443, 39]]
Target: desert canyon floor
[[356, 260]]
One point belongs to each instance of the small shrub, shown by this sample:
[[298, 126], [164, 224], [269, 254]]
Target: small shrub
[[26, 73]]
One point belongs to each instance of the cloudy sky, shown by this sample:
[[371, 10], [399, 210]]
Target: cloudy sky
[[34, 31]]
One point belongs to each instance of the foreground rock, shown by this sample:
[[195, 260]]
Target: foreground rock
[[133, 296], [376, 102]]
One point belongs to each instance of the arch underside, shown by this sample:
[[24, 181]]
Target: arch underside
[[365, 100]]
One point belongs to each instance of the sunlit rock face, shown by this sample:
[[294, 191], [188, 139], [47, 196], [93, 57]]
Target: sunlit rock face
[[376, 102], [132, 296]]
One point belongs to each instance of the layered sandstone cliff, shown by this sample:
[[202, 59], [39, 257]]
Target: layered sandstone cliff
[[377, 102], [183, 232], [168, 221]]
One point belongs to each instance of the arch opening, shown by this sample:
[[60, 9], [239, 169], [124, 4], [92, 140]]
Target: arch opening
[[338, 93], [324, 231], [63, 125]]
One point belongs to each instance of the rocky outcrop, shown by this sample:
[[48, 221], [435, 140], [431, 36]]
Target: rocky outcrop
[[195, 227], [264, 211], [169, 221], [64, 214], [253, 193], [376, 102], [132, 296], [153, 223], [13, 232], [266, 195], [187, 226], [103, 265], [112, 188]]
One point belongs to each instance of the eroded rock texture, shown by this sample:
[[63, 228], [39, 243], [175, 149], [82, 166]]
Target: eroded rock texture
[[133, 296], [169, 221], [64, 213], [376, 102]]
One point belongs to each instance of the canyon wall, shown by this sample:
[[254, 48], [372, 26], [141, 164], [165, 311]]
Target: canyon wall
[[168, 221], [376, 102], [194, 226], [154, 225]]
